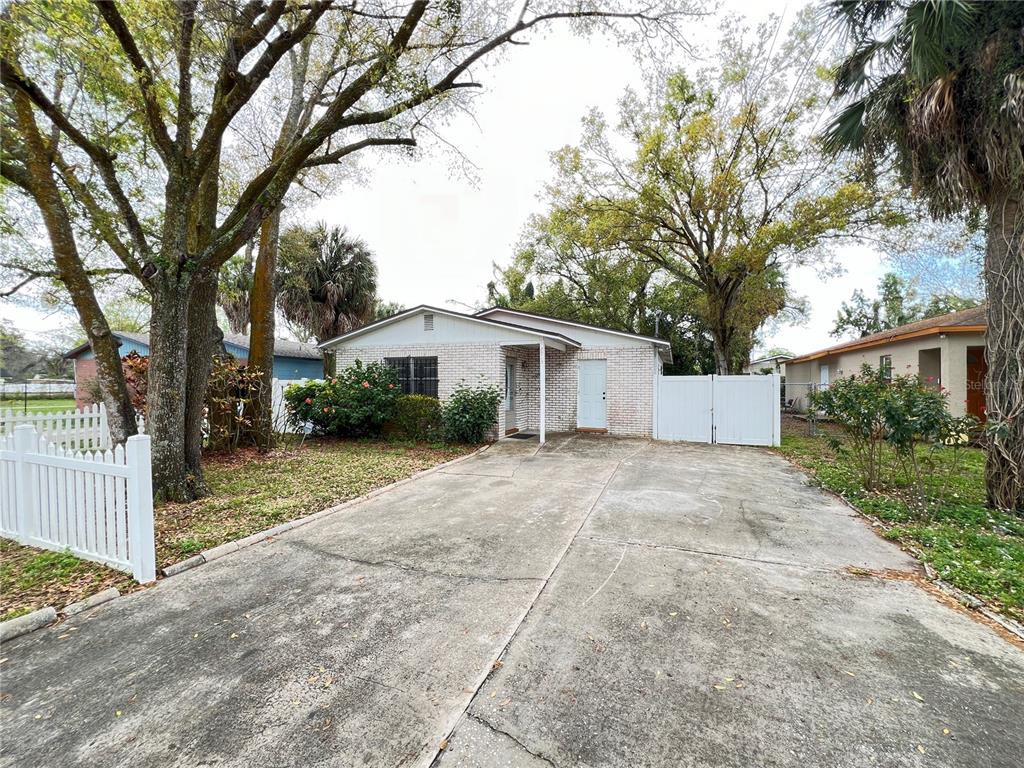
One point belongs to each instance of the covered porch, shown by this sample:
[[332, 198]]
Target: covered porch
[[540, 387]]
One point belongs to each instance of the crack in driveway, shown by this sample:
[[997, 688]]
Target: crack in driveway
[[507, 735], [710, 553], [387, 563]]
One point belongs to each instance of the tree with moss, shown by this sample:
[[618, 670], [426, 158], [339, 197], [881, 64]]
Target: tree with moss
[[555, 272]]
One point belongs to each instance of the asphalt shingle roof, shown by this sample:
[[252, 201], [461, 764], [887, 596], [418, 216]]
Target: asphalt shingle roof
[[967, 317]]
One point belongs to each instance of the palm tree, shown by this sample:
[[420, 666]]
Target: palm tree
[[328, 281], [936, 89]]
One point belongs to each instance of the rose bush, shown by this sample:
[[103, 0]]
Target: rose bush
[[470, 413], [901, 413], [354, 403]]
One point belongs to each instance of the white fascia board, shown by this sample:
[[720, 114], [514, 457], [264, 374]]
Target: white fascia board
[[549, 336]]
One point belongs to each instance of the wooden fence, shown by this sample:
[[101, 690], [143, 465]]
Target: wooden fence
[[80, 430], [97, 505]]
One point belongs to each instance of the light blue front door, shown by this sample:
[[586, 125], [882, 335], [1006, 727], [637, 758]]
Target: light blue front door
[[590, 407]]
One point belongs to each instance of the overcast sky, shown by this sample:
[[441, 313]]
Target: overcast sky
[[436, 230]]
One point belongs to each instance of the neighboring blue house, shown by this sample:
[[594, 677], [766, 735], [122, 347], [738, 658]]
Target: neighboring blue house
[[292, 359]]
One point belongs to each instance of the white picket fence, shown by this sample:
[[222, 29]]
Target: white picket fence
[[97, 505], [80, 430]]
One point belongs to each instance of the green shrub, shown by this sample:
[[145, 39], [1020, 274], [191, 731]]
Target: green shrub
[[873, 412], [356, 402], [416, 417], [470, 413]]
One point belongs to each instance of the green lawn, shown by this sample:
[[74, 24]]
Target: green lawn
[[249, 493], [39, 405], [31, 578], [977, 549]]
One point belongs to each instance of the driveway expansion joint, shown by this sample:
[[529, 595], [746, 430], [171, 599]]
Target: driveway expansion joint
[[529, 609]]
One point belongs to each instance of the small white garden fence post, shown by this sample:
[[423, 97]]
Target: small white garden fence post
[[97, 505], [24, 510]]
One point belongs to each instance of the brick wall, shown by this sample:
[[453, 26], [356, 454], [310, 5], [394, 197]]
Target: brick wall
[[85, 373], [469, 364], [630, 388], [629, 384]]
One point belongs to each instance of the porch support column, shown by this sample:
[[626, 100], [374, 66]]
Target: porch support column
[[543, 391]]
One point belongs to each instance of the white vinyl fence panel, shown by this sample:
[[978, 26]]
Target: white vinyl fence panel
[[740, 410], [97, 505], [747, 410], [80, 430], [280, 410], [684, 408]]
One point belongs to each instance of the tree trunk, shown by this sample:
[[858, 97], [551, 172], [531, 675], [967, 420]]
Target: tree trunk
[[42, 185], [204, 336], [204, 340], [166, 398], [721, 355], [1004, 340], [721, 341], [261, 331]]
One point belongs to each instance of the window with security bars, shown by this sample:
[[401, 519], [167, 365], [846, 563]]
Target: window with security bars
[[416, 375], [885, 368]]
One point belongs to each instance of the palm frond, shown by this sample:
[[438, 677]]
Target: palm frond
[[929, 27], [846, 132]]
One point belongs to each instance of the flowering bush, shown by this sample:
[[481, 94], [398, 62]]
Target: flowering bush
[[872, 412], [356, 402]]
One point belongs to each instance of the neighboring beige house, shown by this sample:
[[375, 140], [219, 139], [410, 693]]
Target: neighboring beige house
[[946, 351], [554, 375], [773, 364]]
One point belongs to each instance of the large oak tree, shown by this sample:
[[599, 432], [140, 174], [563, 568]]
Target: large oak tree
[[718, 182]]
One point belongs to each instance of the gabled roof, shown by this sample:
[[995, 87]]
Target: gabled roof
[[436, 310], [770, 359], [282, 347], [651, 339], [965, 321]]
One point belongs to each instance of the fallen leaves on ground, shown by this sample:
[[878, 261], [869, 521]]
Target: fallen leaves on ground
[[32, 578], [249, 492]]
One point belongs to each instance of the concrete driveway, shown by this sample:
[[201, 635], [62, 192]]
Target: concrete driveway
[[599, 602]]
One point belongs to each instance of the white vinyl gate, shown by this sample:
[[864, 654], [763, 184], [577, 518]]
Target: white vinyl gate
[[740, 410]]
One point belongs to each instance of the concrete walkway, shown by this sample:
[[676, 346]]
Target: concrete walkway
[[651, 604]]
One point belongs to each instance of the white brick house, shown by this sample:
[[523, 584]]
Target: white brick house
[[592, 379]]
